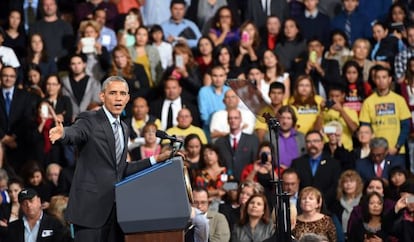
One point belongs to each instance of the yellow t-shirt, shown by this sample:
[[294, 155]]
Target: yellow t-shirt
[[307, 115], [144, 61], [260, 120], [332, 115], [182, 133], [384, 113]]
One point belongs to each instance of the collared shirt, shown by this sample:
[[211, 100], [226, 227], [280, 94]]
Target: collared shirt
[[30, 235], [294, 199], [382, 164], [33, 4], [112, 119], [313, 14], [314, 163], [172, 28], [176, 107], [11, 90], [107, 38], [288, 148], [237, 136]]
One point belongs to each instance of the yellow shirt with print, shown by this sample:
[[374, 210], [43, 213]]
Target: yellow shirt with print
[[333, 115], [384, 113], [307, 115], [260, 120]]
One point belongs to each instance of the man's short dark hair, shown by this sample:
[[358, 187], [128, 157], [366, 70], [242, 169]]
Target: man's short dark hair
[[177, 2], [83, 57], [277, 85], [314, 132]]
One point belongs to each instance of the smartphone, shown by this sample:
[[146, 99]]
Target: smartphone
[[130, 18], [44, 110], [410, 199], [329, 103], [313, 56], [329, 129], [179, 61], [245, 37], [399, 27], [228, 186], [338, 48]]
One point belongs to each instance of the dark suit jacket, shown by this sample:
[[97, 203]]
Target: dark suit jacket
[[92, 193], [50, 230], [255, 11], [156, 109], [326, 176], [18, 122], [365, 168], [331, 68], [245, 154], [64, 106]]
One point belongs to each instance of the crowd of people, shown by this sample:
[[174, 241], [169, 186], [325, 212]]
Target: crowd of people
[[337, 74]]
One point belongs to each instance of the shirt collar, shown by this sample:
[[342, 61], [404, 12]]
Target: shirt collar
[[237, 136], [110, 116], [11, 90], [314, 14]]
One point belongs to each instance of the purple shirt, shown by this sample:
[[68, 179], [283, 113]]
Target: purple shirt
[[288, 148]]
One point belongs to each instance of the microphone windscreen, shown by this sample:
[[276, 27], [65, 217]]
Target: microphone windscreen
[[160, 134]]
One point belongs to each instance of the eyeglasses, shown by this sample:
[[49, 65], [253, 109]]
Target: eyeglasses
[[8, 76], [313, 141]]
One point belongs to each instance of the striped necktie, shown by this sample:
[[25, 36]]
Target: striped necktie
[[118, 146]]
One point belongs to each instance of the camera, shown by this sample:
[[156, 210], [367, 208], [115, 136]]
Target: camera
[[329, 103]]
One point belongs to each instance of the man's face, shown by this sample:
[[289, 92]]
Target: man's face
[[49, 7], [31, 207], [115, 97], [350, 5], [273, 25], [286, 121], [317, 47], [140, 108], [314, 144], [184, 118], [231, 100], [172, 89], [218, 77], [310, 5], [290, 183], [200, 201], [276, 96], [77, 66], [378, 154], [8, 77], [177, 11], [234, 119], [100, 17], [382, 80]]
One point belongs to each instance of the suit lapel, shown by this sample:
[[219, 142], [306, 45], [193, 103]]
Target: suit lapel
[[109, 133]]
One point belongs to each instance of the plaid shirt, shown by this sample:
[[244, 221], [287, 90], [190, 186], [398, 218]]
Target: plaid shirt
[[400, 63]]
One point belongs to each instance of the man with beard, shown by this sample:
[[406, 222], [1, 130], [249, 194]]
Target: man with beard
[[318, 169]]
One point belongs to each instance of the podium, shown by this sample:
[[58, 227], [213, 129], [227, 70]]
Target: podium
[[153, 204]]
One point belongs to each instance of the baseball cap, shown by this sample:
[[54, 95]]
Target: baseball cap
[[25, 194]]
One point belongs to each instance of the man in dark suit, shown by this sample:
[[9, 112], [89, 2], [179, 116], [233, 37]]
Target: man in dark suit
[[173, 100], [34, 219], [237, 149], [102, 143], [324, 72], [318, 169], [257, 11], [16, 107], [377, 164]]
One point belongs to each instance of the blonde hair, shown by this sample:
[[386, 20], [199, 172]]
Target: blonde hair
[[312, 191], [57, 207], [88, 23], [353, 176]]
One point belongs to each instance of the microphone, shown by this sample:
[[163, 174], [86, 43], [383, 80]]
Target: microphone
[[163, 135], [263, 158]]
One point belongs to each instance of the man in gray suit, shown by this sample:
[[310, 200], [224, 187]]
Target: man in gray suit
[[102, 143], [219, 230], [237, 149]]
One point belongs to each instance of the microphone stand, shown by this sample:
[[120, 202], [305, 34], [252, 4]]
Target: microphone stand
[[283, 229]]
